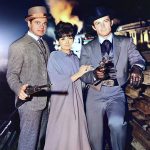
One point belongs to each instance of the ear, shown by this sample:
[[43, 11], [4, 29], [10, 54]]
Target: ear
[[29, 24], [112, 22], [93, 27]]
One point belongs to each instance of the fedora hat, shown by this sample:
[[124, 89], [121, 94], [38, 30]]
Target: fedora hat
[[36, 12], [100, 12]]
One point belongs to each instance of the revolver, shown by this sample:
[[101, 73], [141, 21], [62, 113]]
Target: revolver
[[110, 71]]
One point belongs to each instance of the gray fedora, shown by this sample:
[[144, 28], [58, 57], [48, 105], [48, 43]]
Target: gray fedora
[[36, 12]]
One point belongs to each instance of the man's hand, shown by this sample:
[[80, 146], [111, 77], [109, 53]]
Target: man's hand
[[136, 76], [100, 73], [22, 95]]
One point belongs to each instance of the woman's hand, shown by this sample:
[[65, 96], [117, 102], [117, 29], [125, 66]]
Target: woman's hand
[[84, 69]]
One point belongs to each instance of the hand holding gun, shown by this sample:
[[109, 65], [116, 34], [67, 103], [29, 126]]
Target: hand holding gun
[[104, 71], [100, 71], [27, 91]]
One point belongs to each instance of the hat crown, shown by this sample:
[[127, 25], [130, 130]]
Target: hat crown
[[100, 12], [37, 10]]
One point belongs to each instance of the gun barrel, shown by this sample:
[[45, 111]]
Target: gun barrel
[[45, 85]]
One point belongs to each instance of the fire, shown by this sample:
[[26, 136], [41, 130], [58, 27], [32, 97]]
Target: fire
[[61, 10]]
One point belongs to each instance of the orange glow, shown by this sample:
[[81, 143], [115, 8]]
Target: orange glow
[[61, 10]]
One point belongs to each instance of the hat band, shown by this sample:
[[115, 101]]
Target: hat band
[[40, 15]]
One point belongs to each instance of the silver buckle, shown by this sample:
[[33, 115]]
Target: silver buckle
[[108, 82]]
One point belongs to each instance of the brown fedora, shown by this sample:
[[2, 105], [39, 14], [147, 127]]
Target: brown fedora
[[36, 12]]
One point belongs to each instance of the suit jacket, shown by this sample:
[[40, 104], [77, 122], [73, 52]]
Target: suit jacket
[[27, 64], [125, 54]]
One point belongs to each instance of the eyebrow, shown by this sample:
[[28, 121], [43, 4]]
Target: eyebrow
[[107, 19]]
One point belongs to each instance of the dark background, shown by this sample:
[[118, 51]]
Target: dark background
[[12, 13]]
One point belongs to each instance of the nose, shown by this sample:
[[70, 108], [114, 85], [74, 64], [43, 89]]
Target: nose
[[67, 41], [102, 24], [42, 25]]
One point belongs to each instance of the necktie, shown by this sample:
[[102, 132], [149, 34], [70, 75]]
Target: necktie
[[40, 41], [106, 47]]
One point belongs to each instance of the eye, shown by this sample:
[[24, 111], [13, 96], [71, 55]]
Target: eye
[[97, 23], [107, 20], [62, 38], [37, 22], [45, 23]]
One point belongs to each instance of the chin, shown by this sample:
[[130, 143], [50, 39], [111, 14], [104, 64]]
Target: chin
[[40, 34], [104, 34]]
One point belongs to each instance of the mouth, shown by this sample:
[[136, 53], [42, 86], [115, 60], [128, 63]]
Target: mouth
[[66, 45], [40, 30]]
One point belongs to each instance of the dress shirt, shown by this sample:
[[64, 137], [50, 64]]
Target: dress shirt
[[109, 37], [33, 35]]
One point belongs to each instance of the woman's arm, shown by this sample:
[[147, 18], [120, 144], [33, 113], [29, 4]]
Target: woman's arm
[[82, 70]]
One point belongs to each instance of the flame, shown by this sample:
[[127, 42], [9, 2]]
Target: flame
[[61, 10]]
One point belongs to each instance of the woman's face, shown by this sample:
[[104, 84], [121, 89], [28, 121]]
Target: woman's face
[[66, 43]]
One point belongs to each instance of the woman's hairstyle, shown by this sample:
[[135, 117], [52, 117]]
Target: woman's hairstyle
[[64, 29]]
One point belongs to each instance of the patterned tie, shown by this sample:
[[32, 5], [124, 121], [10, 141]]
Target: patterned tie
[[106, 47], [40, 41]]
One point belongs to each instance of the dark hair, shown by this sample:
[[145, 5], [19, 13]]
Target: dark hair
[[65, 29]]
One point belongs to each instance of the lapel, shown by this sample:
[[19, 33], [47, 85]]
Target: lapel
[[35, 44], [97, 51], [116, 49]]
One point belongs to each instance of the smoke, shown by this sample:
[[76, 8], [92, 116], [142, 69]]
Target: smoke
[[3, 61], [3, 53], [61, 10]]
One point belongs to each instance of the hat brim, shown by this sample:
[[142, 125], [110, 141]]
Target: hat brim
[[99, 16], [28, 18]]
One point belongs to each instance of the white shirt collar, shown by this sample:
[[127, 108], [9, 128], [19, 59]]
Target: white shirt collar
[[109, 37], [33, 35]]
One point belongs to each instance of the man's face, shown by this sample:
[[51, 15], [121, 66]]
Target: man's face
[[38, 26], [103, 26]]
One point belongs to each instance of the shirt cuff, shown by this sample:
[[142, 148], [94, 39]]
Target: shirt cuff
[[139, 65]]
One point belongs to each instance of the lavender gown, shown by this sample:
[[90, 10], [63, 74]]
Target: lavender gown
[[67, 127]]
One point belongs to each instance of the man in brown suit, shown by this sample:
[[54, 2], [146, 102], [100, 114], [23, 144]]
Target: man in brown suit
[[27, 65]]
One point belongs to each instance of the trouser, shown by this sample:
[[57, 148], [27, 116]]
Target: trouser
[[114, 107], [32, 128]]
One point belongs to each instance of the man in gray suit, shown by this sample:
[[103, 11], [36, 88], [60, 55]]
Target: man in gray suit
[[106, 91], [27, 65]]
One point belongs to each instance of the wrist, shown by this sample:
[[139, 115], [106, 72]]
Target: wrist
[[79, 74], [138, 67]]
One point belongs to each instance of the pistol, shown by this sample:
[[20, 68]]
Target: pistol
[[110, 71], [34, 89]]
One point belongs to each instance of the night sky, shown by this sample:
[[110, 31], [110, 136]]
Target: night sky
[[126, 10], [12, 14]]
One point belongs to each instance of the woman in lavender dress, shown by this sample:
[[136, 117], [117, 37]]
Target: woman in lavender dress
[[67, 127]]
